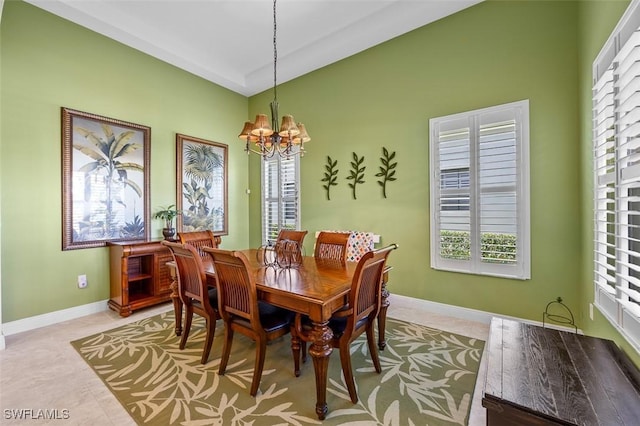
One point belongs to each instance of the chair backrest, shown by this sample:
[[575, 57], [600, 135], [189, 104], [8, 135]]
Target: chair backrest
[[288, 247], [332, 246], [237, 293], [366, 286], [192, 280], [199, 239], [359, 243], [291, 235]]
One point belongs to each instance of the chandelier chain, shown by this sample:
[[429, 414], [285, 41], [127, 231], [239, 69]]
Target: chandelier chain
[[275, 54]]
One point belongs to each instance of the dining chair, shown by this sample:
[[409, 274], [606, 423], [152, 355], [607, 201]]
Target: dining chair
[[194, 292], [241, 310], [332, 246], [356, 317], [291, 235], [199, 239], [288, 247]]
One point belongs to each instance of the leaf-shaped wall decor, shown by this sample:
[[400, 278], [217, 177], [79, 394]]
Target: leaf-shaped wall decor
[[330, 175], [356, 174], [387, 170]]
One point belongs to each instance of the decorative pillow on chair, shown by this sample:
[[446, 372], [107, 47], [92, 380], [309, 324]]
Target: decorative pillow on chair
[[359, 243]]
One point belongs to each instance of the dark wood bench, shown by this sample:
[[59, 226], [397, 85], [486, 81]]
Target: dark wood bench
[[542, 376]]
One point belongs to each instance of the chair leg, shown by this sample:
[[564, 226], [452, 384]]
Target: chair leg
[[261, 349], [295, 349], [297, 329], [226, 349], [211, 330], [187, 326], [347, 372], [373, 350]]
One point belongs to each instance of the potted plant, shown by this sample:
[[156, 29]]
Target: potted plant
[[167, 214]]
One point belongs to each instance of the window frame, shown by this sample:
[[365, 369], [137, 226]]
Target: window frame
[[521, 267]]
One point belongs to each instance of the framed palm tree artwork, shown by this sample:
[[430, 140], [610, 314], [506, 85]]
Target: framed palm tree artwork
[[105, 180], [201, 185]]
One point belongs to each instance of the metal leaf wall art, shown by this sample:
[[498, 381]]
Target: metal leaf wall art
[[386, 173], [356, 174], [330, 175], [387, 170]]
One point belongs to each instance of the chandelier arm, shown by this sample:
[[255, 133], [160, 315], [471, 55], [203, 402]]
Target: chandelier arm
[[264, 152]]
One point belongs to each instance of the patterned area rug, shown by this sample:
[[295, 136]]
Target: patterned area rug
[[428, 377]]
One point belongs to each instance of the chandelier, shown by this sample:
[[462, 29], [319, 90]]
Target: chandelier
[[289, 138]]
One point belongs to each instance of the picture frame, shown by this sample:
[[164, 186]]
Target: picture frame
[[105, 180], [201, 185]]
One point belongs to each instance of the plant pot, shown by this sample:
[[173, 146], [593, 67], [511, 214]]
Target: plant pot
[[168, 233]]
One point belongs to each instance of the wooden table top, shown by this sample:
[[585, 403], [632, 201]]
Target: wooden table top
[[316, 288], [314, 279]]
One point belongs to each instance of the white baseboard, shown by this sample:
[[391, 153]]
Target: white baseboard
[[464, 313], [398, 300], [30, 323]]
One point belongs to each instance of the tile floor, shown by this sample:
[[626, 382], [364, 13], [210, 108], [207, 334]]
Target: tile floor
[[39, 369]]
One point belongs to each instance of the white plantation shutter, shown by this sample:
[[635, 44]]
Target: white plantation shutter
[[270, 201], [280, 196], [604, 165], [454, 195], [616, 157], [498, 176], [480, 191]]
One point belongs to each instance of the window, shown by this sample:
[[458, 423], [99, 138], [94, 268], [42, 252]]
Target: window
[[280, 196], [480, 191], [616, 156]]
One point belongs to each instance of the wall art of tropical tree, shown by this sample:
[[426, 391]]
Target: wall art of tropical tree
[[202, 185], [105, 180]]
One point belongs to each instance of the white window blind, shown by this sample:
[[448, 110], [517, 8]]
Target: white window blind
[[480, 191], [280, 196], [616, 156]]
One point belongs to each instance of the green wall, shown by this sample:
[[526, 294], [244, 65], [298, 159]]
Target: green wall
[[48, 62], [489, 54]]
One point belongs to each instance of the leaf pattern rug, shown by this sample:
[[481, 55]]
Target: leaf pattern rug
[[428, 377]]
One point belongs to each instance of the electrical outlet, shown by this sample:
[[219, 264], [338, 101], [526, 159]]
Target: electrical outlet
[[82, 281], [591, 311]]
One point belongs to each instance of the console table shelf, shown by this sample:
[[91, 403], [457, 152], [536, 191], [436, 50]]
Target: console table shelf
[[139, 275]]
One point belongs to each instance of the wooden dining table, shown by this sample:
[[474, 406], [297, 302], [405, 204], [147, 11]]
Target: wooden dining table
[[316, 288]]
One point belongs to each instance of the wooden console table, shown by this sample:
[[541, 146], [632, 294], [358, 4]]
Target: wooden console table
[[542, 376], [139, 273]]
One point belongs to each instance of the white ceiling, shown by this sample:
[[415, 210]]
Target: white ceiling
[[230, 42]]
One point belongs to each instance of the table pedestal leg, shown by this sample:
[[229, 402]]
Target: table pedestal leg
[[320, 351]]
